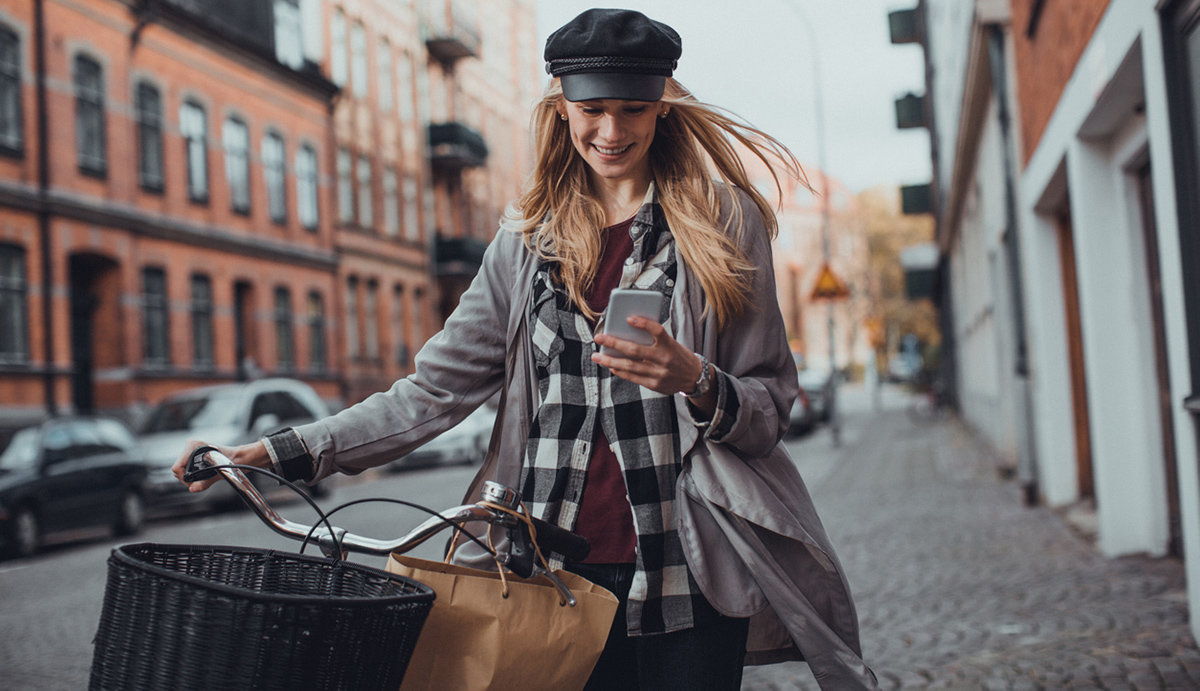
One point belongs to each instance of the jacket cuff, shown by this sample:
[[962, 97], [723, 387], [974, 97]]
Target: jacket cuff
[[290, 456], [718, 427]]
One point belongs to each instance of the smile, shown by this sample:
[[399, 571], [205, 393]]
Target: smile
[[612, 152]]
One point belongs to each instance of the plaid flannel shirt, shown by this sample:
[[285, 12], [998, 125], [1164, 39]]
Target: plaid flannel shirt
[[577, 396]]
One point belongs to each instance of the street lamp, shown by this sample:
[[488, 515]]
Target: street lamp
[[819, 106]]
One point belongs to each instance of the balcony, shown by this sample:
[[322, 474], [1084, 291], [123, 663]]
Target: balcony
[[916, 199], [458, 256], [905, 26], [910, 111], [450, 29], [454, 146]]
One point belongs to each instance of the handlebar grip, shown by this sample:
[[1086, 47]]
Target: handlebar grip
[[551, 538], [197, 467]]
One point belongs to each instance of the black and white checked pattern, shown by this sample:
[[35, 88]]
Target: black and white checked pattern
[[576, 396]]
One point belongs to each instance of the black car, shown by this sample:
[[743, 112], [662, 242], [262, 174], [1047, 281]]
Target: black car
[[69, 474]]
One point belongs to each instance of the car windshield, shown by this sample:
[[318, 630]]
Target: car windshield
[[214, 409], [22, 452]]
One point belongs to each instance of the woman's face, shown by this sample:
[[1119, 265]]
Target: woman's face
[[612, 135]]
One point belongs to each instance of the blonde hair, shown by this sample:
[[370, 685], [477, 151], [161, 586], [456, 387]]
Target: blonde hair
[[561, 220]]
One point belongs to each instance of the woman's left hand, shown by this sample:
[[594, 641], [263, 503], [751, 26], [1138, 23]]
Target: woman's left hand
[[664, 366]]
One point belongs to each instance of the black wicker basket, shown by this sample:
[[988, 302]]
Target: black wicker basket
[[211, 617]]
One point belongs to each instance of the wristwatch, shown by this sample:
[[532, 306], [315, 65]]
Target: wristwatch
[[704, 383]]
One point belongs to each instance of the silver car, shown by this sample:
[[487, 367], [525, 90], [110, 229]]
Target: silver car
[[226, 414]]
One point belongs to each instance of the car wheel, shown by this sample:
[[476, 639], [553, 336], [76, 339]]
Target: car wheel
[[26, 533], [131, 513]]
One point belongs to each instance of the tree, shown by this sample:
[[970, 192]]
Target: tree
[[888, 233]]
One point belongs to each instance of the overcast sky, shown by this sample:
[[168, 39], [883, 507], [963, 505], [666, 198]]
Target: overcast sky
[[754, 58]]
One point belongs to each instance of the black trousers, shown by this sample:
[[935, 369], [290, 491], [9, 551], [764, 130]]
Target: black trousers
[[707, 656]]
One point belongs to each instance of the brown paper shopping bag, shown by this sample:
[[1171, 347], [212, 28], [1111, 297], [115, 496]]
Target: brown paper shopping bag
[[476, 638]]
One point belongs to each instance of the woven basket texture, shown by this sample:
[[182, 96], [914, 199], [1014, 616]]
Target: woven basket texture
[[211, 617]]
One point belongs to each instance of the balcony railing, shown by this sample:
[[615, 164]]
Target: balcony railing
[[910, 111], [453, 146], [916, 199], [450, 29], [905, 26], [458, 256]]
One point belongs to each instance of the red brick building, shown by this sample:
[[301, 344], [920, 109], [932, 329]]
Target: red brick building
[[197, 191]]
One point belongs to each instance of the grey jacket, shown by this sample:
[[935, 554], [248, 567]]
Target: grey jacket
[[753, 539]]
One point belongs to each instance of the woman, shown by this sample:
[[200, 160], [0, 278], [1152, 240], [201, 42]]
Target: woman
[[666, 456]]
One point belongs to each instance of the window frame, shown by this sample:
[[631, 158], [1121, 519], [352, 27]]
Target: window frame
[[156, 345], [14, 297], [91, 122], [195, 143], [275, 176], [150, 129], [318, 353], [285, 335], [237, 163], [307, 187], [201, 309], [12, 138]]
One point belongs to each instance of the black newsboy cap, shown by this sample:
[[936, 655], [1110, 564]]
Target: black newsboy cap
[[613, 54]]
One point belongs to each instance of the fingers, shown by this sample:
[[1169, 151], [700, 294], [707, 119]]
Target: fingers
[[664, 366], [180, 467]]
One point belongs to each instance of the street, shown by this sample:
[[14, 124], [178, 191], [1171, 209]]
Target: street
[[958, 585]]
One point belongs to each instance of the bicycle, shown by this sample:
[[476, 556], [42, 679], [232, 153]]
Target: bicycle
[[218, 617]]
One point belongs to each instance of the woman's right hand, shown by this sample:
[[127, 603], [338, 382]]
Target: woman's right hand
[[252, 454]]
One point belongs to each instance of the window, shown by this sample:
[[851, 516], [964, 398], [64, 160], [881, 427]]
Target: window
[[345, 187], [236, 138], [398, 330], [338, 70], [352, 347], [289, 46], [386, 78], [194, 128], [275, 174], [285, 349], [391, 204], [371, 321], [202, 322], [89, 115], [150, 136], [405, 91], [366, 217], [306, 187], [14, 307], [412, 223], [358, 60], [12, 132], [318, 360], [154, 316]]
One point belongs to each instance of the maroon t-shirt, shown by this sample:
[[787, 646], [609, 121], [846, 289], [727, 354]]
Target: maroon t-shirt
[[605, 516]]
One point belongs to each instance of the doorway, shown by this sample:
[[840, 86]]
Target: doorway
[[96, 343], [1079, 399]]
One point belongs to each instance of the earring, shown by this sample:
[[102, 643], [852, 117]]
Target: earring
[[563, 118], [663, 115]]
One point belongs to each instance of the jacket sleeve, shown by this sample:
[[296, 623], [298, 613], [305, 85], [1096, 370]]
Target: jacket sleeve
[[455, 372], [756, 374]]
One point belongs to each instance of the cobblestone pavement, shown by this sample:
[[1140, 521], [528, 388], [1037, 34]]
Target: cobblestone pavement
[[960, 586]]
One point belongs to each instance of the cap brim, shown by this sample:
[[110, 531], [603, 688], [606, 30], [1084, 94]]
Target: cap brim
[[627, 87]]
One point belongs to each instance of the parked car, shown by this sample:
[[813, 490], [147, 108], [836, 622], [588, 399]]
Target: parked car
[[466, 442], [801, 420], [821, 388], [226, 414], [69, 474]]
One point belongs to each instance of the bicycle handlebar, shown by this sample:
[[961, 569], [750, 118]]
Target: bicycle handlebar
[[206, 460]]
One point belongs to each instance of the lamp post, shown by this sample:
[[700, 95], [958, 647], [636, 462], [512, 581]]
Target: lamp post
[[826, 231]]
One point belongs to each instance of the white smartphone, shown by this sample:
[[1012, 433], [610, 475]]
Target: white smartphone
[[631, 302]]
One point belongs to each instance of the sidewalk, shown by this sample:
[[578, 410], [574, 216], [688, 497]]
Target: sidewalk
[[960, 586]]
